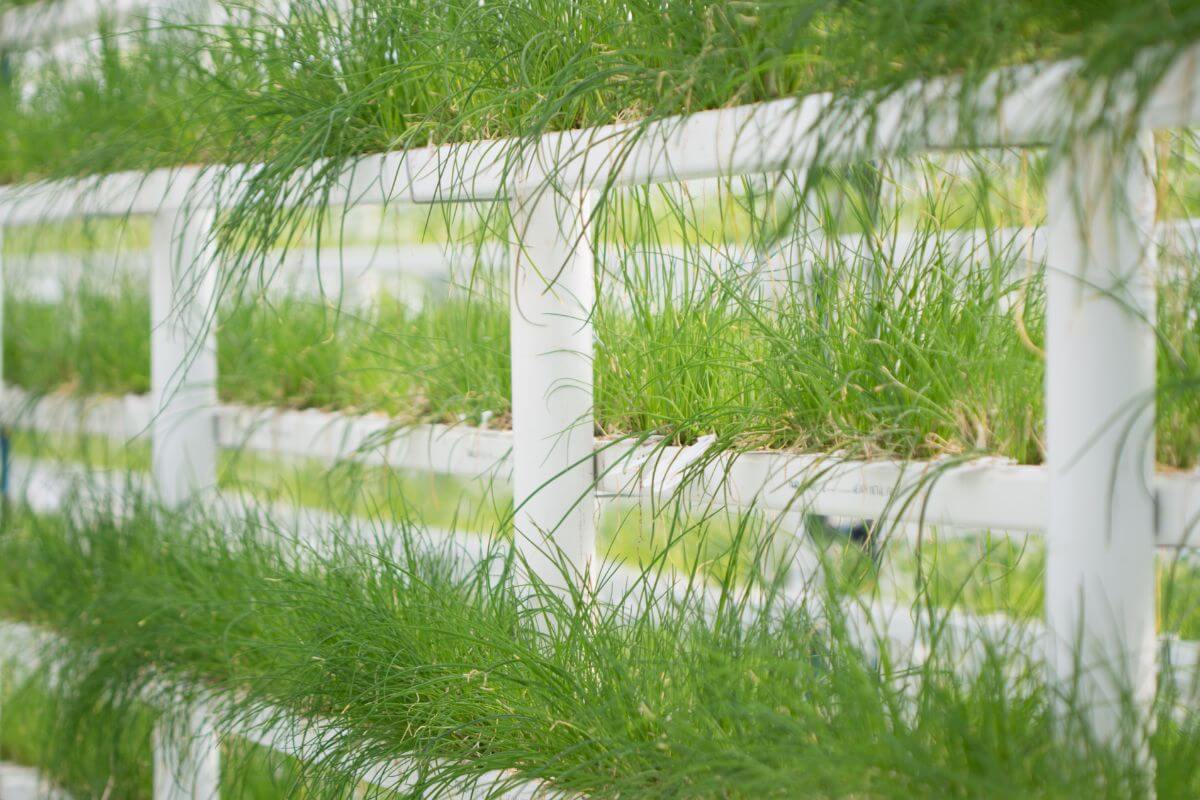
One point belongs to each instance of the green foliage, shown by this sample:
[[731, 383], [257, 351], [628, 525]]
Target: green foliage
[[305, 90], [409, 656], [98, 750], [988, 574], [126, 109], [314, 81], [444, 362], [914, 357], [95, 341], [93, 751]]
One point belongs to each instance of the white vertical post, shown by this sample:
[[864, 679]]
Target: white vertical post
[[5, 441], [553, 299], [4, 423], [187, 758], [1100, 384], [183, 356], [3, 294]]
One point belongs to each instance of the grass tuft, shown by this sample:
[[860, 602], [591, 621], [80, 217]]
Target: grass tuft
[[410, 656]]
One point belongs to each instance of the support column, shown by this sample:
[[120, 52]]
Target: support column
[[183, 357], [1100, 387], [187, 759], [5, 433], [553, 299]]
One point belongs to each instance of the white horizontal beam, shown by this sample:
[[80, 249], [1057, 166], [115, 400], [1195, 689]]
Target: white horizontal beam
[[420, 260], [372, 439], [18, 782], [115, 195], [988, 493], [51, 21]]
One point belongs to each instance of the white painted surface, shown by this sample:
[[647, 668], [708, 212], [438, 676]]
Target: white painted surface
[[1100, 393], [988, 494], [553, 301], [183, 358], [187, 757], [19, 782]]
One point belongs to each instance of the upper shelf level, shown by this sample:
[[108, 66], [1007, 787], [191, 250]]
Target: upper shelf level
[[1025, 106]]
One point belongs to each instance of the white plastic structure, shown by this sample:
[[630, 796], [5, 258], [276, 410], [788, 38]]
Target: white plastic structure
[[1100, 390], [3, 295], [183, 357], [183, 377], [1097, 495], [553, 300], [187, 760]]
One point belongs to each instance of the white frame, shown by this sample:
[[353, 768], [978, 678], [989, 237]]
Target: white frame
[[1100, 587]]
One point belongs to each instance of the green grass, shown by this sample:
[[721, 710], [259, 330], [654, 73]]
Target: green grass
[[981, 574], [108, 750], [914, 359], [410, 659], [986, 575], [443, 363], [96, 342], [311, 86], [670, 536], [95, 452], [389, 75]]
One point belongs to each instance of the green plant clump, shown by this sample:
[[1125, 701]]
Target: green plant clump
[[305, 91], [317, 80], [915, 359], [462, 670]]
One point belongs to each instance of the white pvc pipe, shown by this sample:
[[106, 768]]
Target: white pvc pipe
[[3, 298], [986, 494], [1100, 385], [6, 418], [187, 758], [183, 357], [553, 298]]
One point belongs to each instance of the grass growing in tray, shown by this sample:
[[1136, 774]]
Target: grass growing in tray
[[465, 668], [306, 90], [447, 665], [316, 80], [871, 354], [108, 752]]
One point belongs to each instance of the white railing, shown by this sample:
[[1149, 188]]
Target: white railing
[[356, 275], [1097, 499], [983, 494], [42, 24], [66, 35]]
